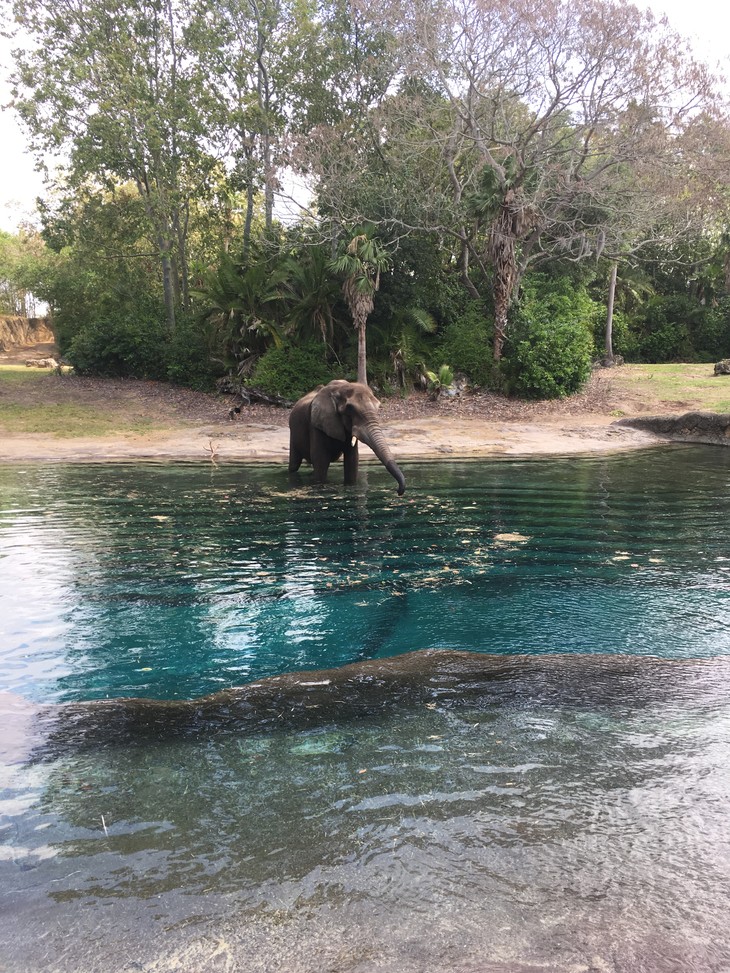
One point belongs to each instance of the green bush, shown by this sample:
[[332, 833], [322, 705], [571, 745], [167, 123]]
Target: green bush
[[292, 370], [676, 327], [550, 349], [625, 341], [467, 345], [189, 355], [120, 348]]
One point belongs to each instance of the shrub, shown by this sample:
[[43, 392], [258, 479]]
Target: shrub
[[466, 345], [676, 327], [625, 341], [663, 329], [292, 370], [189, 355], [120, 348], [550, 346]]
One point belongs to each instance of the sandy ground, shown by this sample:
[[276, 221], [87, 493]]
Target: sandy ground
[[199, 426], [437, 436]]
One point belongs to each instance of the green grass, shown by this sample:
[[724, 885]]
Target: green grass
[[695, 385], [69, 420], [40, 411], [16, 375]]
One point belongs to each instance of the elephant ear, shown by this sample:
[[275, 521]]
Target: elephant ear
[[325, 414]]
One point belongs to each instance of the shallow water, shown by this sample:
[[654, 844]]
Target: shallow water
[[566, 817], [174, 581], [432, 812]]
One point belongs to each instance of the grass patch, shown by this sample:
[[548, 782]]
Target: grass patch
[[677, 386], [68, 421], [13, 376], [37, 401]]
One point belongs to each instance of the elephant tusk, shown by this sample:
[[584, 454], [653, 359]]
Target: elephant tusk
[[354, 441]]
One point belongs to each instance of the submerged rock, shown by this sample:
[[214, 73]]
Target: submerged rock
[[692, 427], [336, 698]]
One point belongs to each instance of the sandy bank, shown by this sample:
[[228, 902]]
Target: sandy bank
[[239, 441]]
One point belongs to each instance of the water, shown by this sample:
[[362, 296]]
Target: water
[[558, 801], [176, 581]]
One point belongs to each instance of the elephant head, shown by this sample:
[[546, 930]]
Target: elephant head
[[329, 421]]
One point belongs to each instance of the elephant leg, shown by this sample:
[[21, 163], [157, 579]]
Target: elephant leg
[[351, 464], [295, 456], [321, 451]]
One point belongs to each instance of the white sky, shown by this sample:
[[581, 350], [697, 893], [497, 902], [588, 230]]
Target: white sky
[[705, 22]]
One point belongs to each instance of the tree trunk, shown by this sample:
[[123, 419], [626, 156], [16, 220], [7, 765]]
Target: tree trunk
[[608, 359], [264, 104], [168, 289], [163, 240], [510, 221], [501, 303], [463, 266], [250, 202], [362, 361], [181, 231]]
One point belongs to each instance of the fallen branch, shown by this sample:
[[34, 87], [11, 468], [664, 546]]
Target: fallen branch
[[246, 396]]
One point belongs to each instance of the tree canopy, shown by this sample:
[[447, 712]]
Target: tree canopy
[[504, 139]]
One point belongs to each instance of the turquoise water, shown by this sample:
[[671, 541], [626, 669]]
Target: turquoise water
[[175, 581], [557, 800]]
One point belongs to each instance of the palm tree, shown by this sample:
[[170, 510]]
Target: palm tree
[[312, 294], [240, 298], [361, 264]]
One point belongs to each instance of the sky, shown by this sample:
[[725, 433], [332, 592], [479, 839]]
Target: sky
[[705, 22]]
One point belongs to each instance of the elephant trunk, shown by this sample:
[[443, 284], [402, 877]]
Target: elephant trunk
[[371, 434]]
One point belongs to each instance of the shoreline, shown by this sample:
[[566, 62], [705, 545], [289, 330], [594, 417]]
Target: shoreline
[[433, 437]]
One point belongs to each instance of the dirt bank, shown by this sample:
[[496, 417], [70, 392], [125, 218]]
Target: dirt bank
[[187, 425], [16, 333]]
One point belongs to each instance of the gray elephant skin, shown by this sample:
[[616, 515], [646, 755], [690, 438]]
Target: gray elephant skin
[[327, 423]]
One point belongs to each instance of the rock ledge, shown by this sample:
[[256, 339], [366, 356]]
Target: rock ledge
[[691, 427]]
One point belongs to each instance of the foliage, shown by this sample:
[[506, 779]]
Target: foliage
[[518, 151], [465, 343], [190, 355], [625, 339], [117, 90], [24, 264], [440, 380], [240, 304], [677, 327], [121, 346], [468, 163], [292, 370], [551, 349], [312, 294]]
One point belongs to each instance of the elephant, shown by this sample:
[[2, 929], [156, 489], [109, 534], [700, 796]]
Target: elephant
[[328, 422]]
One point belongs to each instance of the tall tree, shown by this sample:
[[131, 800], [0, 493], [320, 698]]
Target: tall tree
[[512, 127], [114, 90]]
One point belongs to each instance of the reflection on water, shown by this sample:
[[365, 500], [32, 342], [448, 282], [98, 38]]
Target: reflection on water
[[175, 581], [432, 812], [565, 815]]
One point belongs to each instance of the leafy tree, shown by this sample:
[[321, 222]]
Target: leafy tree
[[116, 90], [103, 264], [253, 54], [25, 266], [513, 132]]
